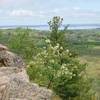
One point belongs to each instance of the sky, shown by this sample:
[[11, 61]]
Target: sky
[[39, 12]]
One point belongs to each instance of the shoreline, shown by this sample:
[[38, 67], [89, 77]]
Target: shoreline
[[46, 27]]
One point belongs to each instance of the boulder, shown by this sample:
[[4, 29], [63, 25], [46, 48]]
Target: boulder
[[15, 85], [10, 59], [22, 90], [7, 73], [14, 80]]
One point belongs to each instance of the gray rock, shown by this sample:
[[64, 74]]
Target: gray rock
[[15, 85], [10, 59], [14, 81], [8, 73], [21, 90]]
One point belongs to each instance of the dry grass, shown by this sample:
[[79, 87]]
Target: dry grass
[[56, 98], [93, 67], [93, 70]]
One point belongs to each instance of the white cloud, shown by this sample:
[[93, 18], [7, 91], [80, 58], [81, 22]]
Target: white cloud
[[74, 12], [21, 13], [70, 14], [27, 13]]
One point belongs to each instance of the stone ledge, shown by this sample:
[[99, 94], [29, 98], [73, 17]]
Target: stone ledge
[[15, 85]]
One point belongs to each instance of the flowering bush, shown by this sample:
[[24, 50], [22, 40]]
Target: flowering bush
[[56, 67]]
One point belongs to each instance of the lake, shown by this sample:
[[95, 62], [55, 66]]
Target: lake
[[46, 27]]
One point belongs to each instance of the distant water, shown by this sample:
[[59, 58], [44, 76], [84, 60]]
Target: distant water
[[46, 27]]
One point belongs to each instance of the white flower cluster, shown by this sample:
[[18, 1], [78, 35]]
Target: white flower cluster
[[52, 61], [65, 70], [47, 41], [55, 47], [70, 54], [43, 53], [67, 51], [32, 62], [74, 74], [61, 48], [63, 66], [44, 47]]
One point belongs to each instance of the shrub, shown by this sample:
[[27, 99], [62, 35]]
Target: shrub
[[22, 43], [56, 67]]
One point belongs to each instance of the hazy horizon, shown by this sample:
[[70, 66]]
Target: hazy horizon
[[46, 27]]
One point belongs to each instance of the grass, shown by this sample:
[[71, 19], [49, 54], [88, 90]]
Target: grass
[[93, 70], [56, 98]]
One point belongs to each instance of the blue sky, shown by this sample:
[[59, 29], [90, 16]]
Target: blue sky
[[34, 12]]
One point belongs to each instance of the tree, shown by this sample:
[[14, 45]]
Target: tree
[[56, 67], [22, 43], [57, 35]]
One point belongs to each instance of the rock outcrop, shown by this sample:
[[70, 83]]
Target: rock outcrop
[[21, 90], [15, 85], [10, 59], [8, 73]]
